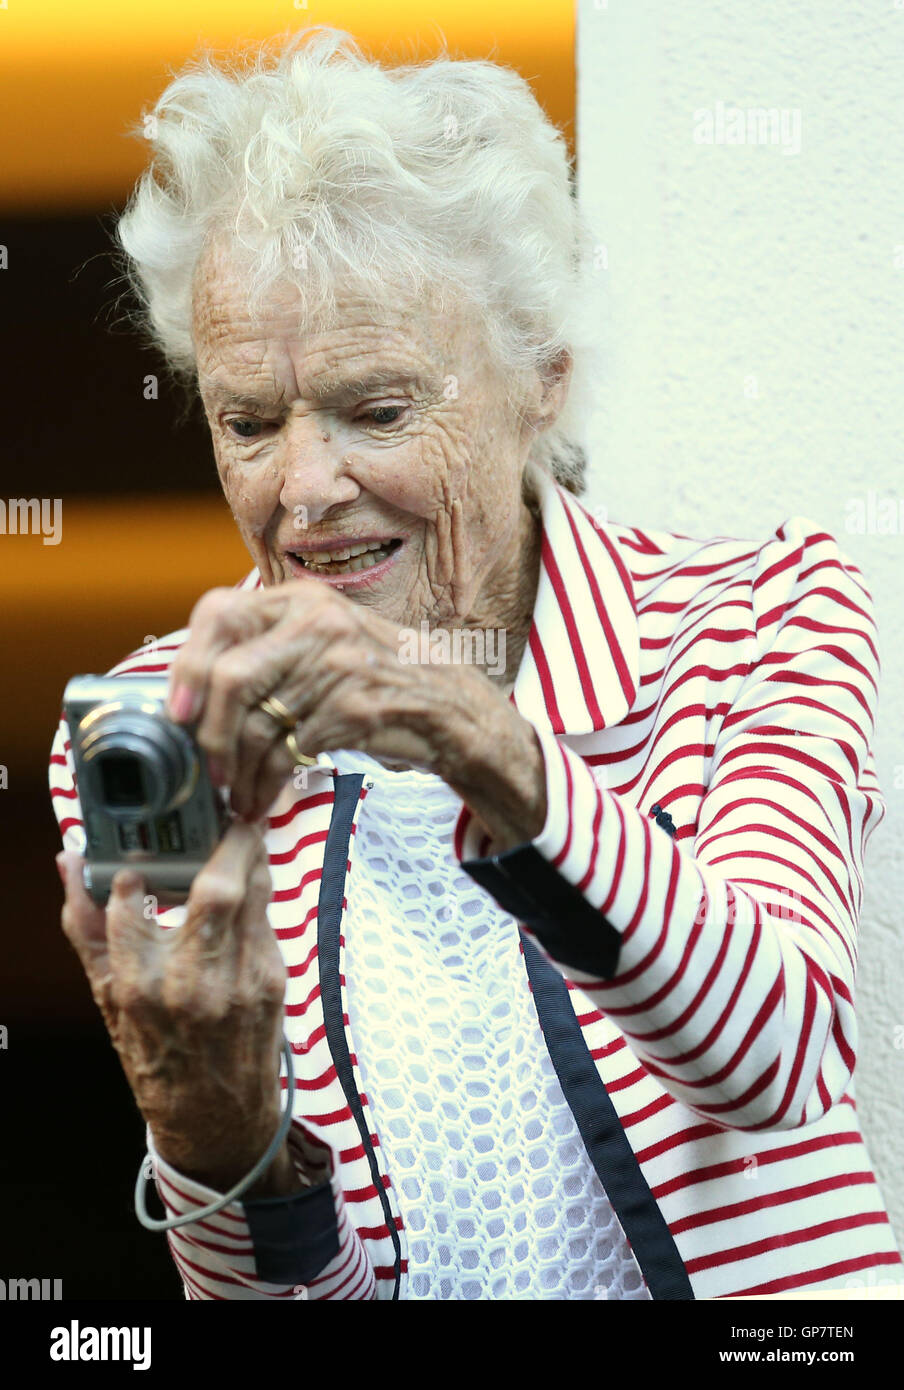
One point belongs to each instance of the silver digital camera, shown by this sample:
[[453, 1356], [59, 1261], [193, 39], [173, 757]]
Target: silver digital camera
[[147, 801]]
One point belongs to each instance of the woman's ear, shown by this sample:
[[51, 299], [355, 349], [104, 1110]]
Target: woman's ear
[[555, 379]]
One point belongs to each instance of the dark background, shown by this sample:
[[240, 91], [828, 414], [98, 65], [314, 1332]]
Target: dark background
[[70, 390], [145, 532]]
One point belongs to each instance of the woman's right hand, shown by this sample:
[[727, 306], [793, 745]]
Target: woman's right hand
[[195, 1012]]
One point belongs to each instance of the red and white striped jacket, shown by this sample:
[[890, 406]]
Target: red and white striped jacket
[[693, 973]]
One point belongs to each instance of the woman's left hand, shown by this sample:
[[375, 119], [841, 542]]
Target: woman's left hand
[[337, 667]]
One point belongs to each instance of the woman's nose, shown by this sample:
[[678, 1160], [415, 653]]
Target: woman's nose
[[317, 475]]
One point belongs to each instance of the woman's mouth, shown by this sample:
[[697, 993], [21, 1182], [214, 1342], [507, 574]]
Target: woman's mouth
[[344, 562]]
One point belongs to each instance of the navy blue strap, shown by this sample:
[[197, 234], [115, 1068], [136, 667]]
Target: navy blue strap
[[329, 916], [574, 933], [603, 1134], [295, 1236]]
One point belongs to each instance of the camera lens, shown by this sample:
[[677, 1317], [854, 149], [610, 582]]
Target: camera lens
[[121, 780], [142, 765]]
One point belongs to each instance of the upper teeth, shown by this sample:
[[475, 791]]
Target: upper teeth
[[320, 557]]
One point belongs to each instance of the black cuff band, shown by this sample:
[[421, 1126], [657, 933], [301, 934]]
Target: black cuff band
[[295, 1236], [566, 925]]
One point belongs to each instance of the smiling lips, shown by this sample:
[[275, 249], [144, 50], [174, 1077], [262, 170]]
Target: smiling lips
[[361, 555]]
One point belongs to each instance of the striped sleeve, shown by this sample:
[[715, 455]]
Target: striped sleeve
[[63, 794], [269, 1249], [728, 960], [225, 1256]]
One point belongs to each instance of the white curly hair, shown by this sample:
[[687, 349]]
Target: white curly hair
[[315, 162]]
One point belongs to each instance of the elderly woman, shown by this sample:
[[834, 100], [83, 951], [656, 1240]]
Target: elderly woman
[[562, 939]]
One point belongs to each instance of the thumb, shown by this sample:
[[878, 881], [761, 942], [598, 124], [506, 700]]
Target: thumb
[[84, 923], [130, 926]]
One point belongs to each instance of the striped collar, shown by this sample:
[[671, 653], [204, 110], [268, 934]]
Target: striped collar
[[580, 669]]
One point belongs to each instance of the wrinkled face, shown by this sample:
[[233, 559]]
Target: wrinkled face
[[379, 456]]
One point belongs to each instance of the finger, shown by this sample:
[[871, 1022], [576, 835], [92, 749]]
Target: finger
[[261, 971], [84, 922], [296, 660], [219, 620], [308, 656], [203, 975], [253, 923], [293, 663], [234, 732], [337, 714], [271, 776], [134, 941], [217, 896]]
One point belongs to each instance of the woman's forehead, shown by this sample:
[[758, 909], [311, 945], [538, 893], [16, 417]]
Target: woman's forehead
[[349, 358], [223, 307], [359, 342]]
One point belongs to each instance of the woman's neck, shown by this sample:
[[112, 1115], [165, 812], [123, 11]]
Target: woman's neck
[[510, 613]]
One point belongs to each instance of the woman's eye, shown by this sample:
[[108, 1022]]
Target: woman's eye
[[245, 429], [248, 429], [384, 414]]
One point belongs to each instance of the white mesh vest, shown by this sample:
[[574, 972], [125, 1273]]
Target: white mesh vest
[[496, 1190]]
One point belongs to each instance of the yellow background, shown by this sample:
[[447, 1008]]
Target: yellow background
[[75, 79]]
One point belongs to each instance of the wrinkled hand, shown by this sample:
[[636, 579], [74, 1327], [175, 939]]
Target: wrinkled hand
[[334, 665], [195, 1013]]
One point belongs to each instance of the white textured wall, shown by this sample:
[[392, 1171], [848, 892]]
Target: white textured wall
[[752, 327]]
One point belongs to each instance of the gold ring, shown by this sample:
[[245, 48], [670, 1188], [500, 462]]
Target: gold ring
[[298, 756], [277, 710]]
